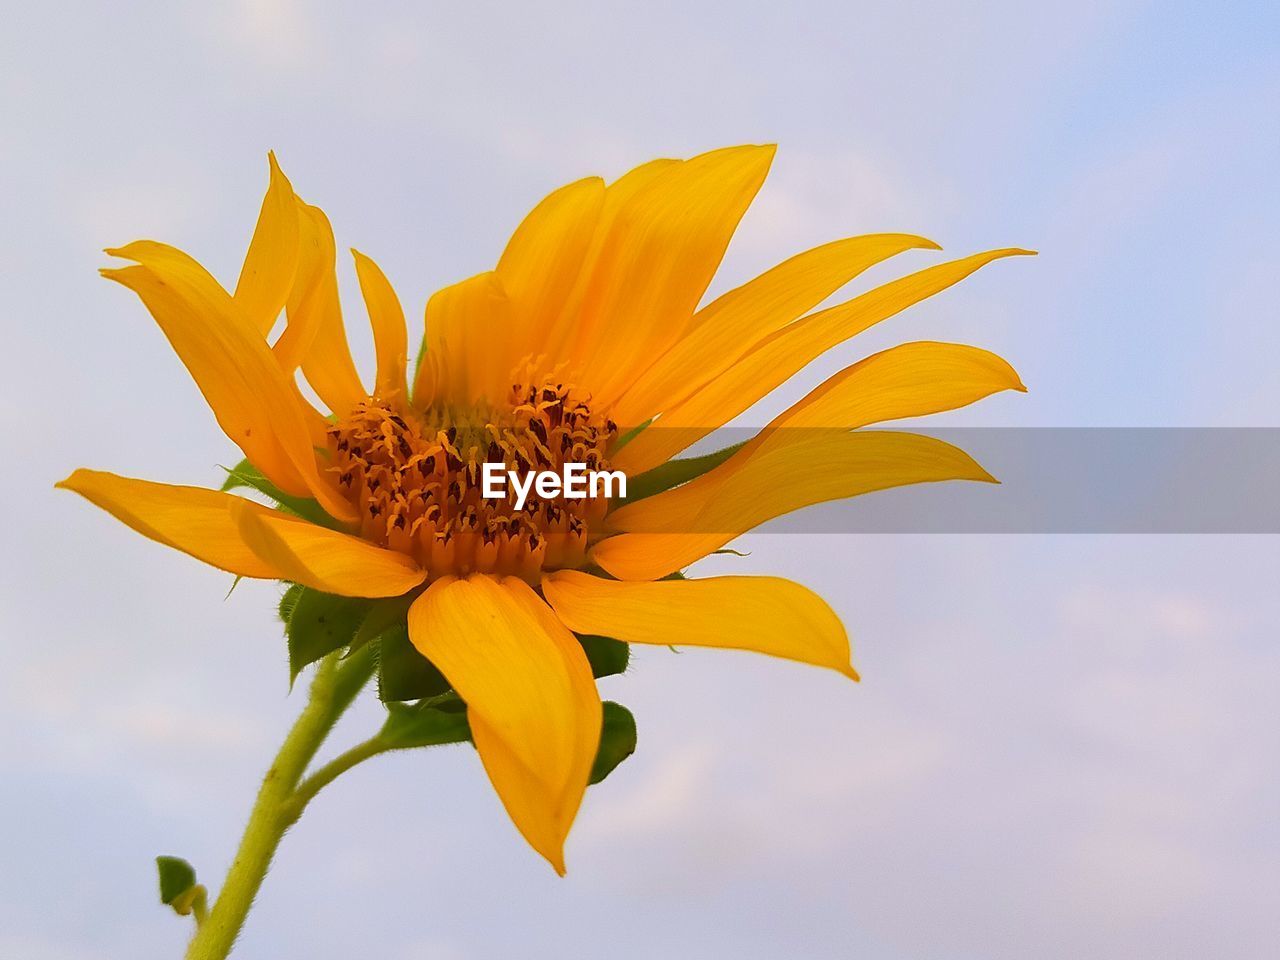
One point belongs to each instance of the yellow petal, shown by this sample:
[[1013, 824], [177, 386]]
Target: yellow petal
[[568, 333], [324, 559], [542, 262], [321, 345], [657, 261], [390, 336], [428, 379], [681, 526], [909, 380], [267, 275], [783, 354], [463, 322], [763, 614], [191, 519], [534, 710], [736, 322], [253, 399]]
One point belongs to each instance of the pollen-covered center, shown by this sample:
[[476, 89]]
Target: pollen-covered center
[[416, 479]]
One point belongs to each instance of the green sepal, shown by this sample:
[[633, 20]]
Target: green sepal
[[318, 624], [288, 601], [245, 474], [176, 878], [383, 615], [426, 724], [443, 720], [404, 673], [628, 436], [606, 655], [675, 472], [617, 740]]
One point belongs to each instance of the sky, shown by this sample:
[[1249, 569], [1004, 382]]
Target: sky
[[1063, 746]]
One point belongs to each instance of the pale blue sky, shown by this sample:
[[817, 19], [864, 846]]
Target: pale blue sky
[[1064, 746]]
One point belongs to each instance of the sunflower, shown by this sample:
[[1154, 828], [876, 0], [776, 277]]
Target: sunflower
[[585, 344]]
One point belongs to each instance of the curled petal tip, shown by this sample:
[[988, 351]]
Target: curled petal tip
[[851, 673]]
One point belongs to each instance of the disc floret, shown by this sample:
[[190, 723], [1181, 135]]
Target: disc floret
[[415, 476]]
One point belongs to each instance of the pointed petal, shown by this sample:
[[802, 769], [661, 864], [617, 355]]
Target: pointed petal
[[813, 466], [909, 380], [428, 380], [324, 559], [267, 275], [657, 261], [736, 322], [321, 345], [463, 321], [534, 710], [390, 335], [253, 399], [764, 614], [191, 519], [541, 264], [569, 333], [783, 354]]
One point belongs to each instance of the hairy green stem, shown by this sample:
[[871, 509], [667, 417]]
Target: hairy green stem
[[339, 765], [335, 685]]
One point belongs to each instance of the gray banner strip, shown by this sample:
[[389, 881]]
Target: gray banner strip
[[1066, 480]]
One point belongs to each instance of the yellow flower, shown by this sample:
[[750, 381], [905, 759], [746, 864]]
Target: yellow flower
[[588, 327]]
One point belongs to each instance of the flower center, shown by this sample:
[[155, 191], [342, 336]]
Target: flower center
[[416, 478]]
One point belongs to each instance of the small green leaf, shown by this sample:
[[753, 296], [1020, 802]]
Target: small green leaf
[[606, 655], [176, 878], [404, 673], [245, 474], [617, 740], [675, 472], [320, 623], [426, 724]]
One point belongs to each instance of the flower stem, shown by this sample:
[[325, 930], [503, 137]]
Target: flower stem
[[332, 690], [326, 774]]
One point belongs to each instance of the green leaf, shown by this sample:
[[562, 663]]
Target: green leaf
[[426, 724], [606, 655], [176, 878], [319, 623], [245, 474], [675, 472], [617, 740], [404, 673]]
